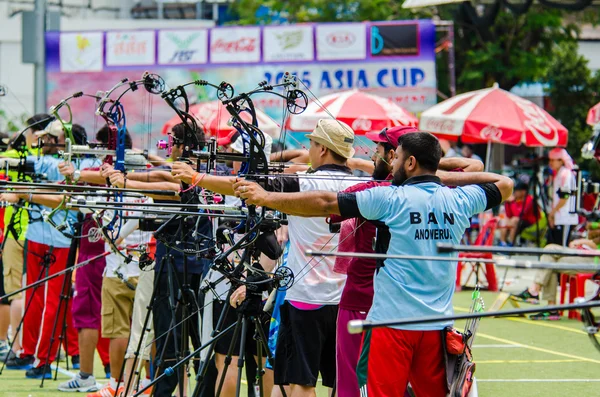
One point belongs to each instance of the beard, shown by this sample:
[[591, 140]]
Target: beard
[[381, 170], [399, 177]]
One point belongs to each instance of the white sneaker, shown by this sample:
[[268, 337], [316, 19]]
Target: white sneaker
[[4, 349], [79, 384]]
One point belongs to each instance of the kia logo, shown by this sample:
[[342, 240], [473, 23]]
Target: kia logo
[[340, 39]]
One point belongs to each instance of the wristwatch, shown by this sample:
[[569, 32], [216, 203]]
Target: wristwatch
[[76, 175]]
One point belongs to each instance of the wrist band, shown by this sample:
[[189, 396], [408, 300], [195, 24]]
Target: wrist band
[[197, 178]]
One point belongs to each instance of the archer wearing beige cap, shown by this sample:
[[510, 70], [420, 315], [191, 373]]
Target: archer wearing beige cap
[[334, 135], [305, 351], [51, 136]]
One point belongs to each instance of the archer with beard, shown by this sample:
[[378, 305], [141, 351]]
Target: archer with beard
[[358, 235], [404, 288]]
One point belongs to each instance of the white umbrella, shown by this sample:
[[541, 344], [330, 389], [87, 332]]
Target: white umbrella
[[428, 3]]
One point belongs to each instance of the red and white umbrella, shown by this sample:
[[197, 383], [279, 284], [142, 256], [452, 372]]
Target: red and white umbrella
[[214, 118], [361, 111], [493, 115], [593, 116]]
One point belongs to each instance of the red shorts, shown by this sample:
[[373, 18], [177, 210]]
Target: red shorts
[[390, 358]]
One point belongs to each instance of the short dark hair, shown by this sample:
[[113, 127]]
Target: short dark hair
[[104, 132], [179, 133], [338, 157], [387, 146], [522, 186], [79, 134], [42, 118], [424, 147]]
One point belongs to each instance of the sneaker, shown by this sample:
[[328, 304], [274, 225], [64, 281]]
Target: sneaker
[[75, 361], [15, 362], [40, 372], [79, 384], [108, 391], [146, 392], [547, 316], [526, 296], [107, 371], [4, 349]]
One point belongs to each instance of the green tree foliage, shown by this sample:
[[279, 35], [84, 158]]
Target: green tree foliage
[[514, 49], [573, 90], [491, 46]]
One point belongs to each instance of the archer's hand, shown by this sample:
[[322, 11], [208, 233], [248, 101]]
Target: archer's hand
[[66, 169], [117, 178], [238, 296], [250, 191], [10, 197], [183, 172], [105, 170], [581, 242]]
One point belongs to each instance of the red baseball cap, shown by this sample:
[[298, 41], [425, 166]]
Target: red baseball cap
[[391, 135]]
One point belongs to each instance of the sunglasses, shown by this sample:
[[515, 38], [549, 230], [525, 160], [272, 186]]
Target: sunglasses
[[387, 138]]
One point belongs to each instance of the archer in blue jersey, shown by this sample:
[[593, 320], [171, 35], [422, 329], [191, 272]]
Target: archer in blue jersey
[[419, 212]]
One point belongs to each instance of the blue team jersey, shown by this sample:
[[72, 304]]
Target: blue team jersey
[[419, 214], [40, 231]]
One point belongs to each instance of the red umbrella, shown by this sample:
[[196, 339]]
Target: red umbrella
[[493, 115], [214, 118], [361, 111], [593, 116]]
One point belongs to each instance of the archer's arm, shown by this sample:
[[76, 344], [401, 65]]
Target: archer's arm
[[315, 203], [294, 156], [218, 184], [367, 166], [504, 184], [118, 179], [48, 200], [151, 176], [465, 164]]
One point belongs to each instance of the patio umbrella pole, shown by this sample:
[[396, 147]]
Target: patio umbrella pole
[[488, 156]]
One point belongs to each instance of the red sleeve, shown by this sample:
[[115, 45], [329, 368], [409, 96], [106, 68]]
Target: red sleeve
[[508, 207], [359, 187]]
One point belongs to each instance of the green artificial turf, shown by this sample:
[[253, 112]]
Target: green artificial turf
[[546, 359]]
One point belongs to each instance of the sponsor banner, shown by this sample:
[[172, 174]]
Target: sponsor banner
[[235, 45], [288, 43], [341, 41], [81, 52], [412, 85], [128, 48], [182, 47], [395, 39]]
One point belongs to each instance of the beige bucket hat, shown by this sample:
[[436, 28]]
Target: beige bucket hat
[[334, 135]]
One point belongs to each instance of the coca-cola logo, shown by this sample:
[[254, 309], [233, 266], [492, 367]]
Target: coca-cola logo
[[537, 122], [243, 44], [438, 125], [340, 39], [361, 124], [491, 133]]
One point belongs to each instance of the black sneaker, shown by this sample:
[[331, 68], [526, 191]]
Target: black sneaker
[[40, 372], [547, 316], [15, 362], [526, 296], [75, 361], [107, 371]]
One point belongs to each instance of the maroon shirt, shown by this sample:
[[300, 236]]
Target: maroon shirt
[[357, 235]]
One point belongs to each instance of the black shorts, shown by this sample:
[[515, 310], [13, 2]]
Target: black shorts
[[223, 343], [306, 346]]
